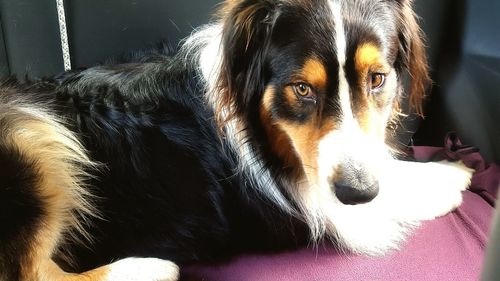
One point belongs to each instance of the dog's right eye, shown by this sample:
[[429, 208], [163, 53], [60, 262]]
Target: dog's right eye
[[302, 89], [304, 92]]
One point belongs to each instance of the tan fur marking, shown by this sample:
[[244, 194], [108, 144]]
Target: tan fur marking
[[305, 141], [60, 161], [50, 271], [371, 122], [290, 96], [296, 143], [368, 58], [314, 72], [280, 142]]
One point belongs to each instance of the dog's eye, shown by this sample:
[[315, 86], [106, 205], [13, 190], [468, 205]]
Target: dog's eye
[[377, 81], [303, 90]]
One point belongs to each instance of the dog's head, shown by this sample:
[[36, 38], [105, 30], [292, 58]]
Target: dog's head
[[324, 79]]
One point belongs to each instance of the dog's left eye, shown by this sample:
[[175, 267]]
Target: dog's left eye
[[377, 81]]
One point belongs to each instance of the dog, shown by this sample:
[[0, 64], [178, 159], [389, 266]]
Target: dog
[[268, 129]]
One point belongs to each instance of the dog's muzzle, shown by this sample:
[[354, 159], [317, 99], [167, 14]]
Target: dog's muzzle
[[355, 185]]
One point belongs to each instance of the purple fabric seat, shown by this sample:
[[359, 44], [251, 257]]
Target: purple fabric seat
[[448, 248]]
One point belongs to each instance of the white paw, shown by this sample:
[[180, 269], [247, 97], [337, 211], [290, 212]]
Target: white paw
[[143, 269], [445, 183], [459, 174], [415, 191]]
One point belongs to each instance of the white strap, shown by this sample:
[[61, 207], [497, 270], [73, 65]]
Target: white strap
[[64, 34]]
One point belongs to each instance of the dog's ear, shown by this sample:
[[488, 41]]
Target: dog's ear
[[246, 31], [412, 56]]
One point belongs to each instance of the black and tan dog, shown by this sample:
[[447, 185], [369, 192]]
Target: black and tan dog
[[267, 129]]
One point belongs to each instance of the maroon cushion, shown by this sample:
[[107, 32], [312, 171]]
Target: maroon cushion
[[448, 248]]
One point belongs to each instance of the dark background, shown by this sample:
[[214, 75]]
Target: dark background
[[463, 39]]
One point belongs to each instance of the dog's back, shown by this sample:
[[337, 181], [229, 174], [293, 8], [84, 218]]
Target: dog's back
[[129, 153]]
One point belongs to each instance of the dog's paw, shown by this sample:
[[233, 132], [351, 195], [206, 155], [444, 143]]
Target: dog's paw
[[143, 269], [459, 175], [446, 181], [423, 191]]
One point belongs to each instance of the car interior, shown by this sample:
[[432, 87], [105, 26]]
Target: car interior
[[463, 48]]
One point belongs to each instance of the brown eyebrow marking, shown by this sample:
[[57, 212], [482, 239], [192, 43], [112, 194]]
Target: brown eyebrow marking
[[368, 55], [314, 72]]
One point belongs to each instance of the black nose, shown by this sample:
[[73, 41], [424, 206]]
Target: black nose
[[353, 196]]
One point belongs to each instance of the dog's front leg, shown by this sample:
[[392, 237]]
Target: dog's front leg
[[424, 191]]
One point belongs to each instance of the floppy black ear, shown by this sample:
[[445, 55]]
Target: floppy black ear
[[246, 29], [412, 55]]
